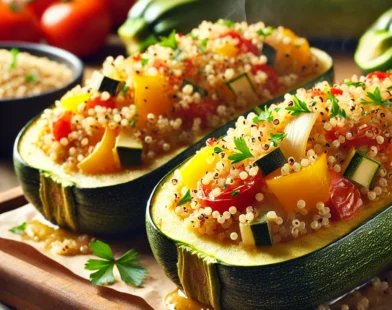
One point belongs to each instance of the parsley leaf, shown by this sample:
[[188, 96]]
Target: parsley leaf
[[266, 31], [169, 41], [277, 137], [186, 198], [356, 84], [30, 77], [335, 109], [128, 265], [19, 230], [227, 22], [264, 116], [203, 44], [235, 193], [132, 123], [241, 146], [14, 57], [217, 150], [299, 107], [144, 61], [389, 88], [124, 89], [376, 98]]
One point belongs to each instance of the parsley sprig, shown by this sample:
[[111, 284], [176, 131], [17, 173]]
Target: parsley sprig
[[335, 108], [169, 41], [228, 23], [14, 57], [263, 116], [356, 84], [203, 44], [241, 146], [376, 98], [277, 137], [186, 198], [266, 31], [128, 265], [144, 61], [19, 230], [299, 107]]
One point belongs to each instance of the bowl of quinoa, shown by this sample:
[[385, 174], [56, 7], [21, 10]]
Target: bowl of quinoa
[[32, 76]]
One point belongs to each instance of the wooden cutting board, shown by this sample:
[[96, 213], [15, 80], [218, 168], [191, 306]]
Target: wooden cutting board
[[29, 280]]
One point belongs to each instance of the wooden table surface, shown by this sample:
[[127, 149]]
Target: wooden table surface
[[344, 68]]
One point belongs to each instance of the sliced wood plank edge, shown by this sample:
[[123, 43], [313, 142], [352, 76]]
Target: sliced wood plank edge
[[12, 199]]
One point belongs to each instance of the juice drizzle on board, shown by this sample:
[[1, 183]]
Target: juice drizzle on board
[[177, 300]]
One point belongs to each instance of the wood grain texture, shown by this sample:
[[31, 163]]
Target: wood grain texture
[[11, 199]]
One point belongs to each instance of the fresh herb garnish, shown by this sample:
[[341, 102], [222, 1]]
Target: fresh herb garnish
[[128, 265], [229, 23], [203, 44], [31, 77], [277, 137], [217, 150], [241, 146], [356, 84], [266, 31], [19, 230], [235, 193], [150, 40], [186, 198], [14, 57], [376, 98], [169, 41], [335, 109], [144, 61], [277, 110], [132, 123], [263, 116], [389, 88], [299, 107], [124, 89]]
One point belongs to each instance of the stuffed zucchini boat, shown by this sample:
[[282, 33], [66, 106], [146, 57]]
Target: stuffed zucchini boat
[[90, 161], [290, 208]]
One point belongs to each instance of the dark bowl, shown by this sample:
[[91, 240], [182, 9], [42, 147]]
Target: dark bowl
[[15, 113]]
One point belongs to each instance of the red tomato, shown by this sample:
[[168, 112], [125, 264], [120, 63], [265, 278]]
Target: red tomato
[[110, 103], [118, 10], [79, 26], [381, 75], [17, 23], [38, 7], [243, 44], [316, 93], [246, 191], [61, 126], [272, 82], [360, 137], [345, 198], [201, 110], [336, 91]]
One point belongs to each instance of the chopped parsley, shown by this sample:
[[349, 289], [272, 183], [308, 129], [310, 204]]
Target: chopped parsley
[[356, 84], [19, 230], [266, 31], [299, 107], [228, 23], [376, 98], [277, 137], [241, 146], [203, 44], [124, 89], [31, 77], [264, 116], [150, 40], [234, 193], [186, 198], [14, 57], [169, 41], [335, 109], [128, 265], [217, 150], [132, 123], [144, 61], [389, 88]]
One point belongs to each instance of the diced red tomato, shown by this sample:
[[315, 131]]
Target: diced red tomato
[[243, 44], [61, 126], [379, 74], [345, 198], [189, 67], [241, 194], [211, 141], [336, 91], [360, 137], [137, 57], [316, 93], [201, 110], [109, 104], [272, 82]]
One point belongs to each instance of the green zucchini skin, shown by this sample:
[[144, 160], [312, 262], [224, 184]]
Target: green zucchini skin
[[119, 208], [300, 283]]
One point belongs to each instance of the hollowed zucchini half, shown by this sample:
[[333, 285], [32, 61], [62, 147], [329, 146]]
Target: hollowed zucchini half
[[298, 274], [111, 203]]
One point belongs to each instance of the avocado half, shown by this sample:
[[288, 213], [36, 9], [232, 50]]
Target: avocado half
[[111, 203], [299, 274]]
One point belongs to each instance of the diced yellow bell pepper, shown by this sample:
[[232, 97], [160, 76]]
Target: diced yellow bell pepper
[[102, 159], [227, 50], [152, 95], [72, 103], [197, 166], [310, 184]]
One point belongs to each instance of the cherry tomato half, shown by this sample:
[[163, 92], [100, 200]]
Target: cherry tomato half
[[345, 198], [241, 194], [61, 126], [336, 91], [243, 44], [379, 74]]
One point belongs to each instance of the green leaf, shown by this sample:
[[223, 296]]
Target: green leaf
[[277, 137], [335, 109], [144, 61], [96, 264], [264, 116], [356, 84], [124, 89], [299, 107], [217, 150], [150, 40], [376, 98], [235, 193], [14, 57], [19, 230], [389, 88], [266, 31], [102, 250], [103, 276], [169, 41], [30, 77], [227, 22], [203, 44], [131, 272], [241, 146], [132, 123], [186, 198]]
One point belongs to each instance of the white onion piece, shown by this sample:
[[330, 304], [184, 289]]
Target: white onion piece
[[298, 131]]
